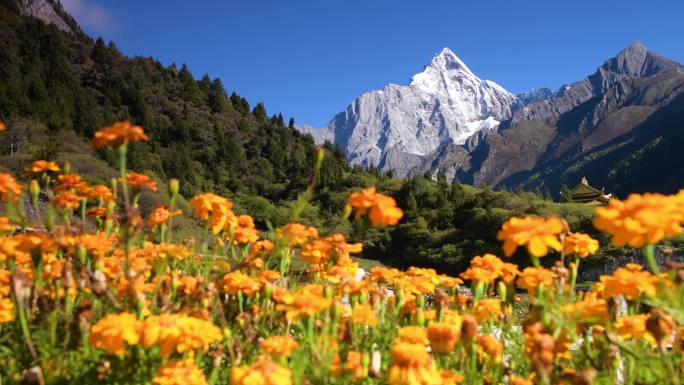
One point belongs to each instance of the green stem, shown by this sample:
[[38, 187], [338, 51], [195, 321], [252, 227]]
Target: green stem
[[650, 258]]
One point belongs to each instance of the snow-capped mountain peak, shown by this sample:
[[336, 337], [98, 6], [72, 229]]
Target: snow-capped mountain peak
[[402, 127]]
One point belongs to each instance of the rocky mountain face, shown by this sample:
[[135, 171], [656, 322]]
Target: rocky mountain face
[[400, 127], [449, 120], [585, 129], [48, 11]]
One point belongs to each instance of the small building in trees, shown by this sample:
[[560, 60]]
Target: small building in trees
[[584, 193]]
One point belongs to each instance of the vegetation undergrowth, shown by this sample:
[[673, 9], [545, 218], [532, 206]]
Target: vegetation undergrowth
[[92, 290]]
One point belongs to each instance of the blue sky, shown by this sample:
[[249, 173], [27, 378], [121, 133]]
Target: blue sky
[[310, 59]]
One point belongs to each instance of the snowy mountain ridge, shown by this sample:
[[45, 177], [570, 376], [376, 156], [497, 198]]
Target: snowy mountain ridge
[[400, 127]]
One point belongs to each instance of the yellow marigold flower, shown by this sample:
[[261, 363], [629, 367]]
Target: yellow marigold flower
[[633, 327], [364, 314], [485, 269], [631, 281], [161, 215], [307, 301], [279, 346], [641, 219], [450, 378], [67, 200], [412, 365], [6, 310], [443, 336], [41, 166], [113, 332], [296, 233], [117, 134], [537, 233], [184, 372], [179, 333], [6, 225], [579, 244], [262, 372], [139, 181], [491, 346], [237, 281], [487, 309], [9, 188], [413, 335], [382, 209], [533, 277]]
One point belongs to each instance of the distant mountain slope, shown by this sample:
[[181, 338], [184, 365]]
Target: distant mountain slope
[[55, 79], [449, 121]]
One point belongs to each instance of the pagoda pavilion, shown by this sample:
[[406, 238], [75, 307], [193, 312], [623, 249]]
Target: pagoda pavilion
[[584, 193]]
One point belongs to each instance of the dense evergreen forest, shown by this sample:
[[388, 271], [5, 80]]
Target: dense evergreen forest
[[57, 89]]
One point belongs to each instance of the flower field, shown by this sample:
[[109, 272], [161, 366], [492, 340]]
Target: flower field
[[92, 291]]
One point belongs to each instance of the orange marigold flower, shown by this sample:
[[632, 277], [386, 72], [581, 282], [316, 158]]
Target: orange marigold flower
[[263, 371], [3, 127], [641, 219], [631, 281], [382, 209], [518, 380], [413, 335], [306, 302], [279, 346], [579, 244], [97, 212], [412, 365], [179, 333], [244, 231], [160, 215], [296, 233], [633, 327], [67, 200], [6, 310], [535, 277], [9, 188], [139, 181], [537, 233], [100, 192], [237, 281], [41, 166], [113, 332], [203, 204], [117, 134], [443, 336], [487, 309], [316, 252], [491, 346], [364, 314], [451, 378], [183, 372], [589, 309], [354, 365], [6, 225], [69, 182], [485, 269]]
